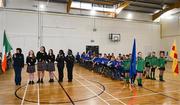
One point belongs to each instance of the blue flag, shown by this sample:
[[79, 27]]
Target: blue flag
[[132, 71]]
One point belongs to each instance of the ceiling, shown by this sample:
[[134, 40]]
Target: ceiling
[[142, 6]]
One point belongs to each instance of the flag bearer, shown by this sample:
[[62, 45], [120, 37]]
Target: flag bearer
[[140, 68], [161, 64], [154, 63]]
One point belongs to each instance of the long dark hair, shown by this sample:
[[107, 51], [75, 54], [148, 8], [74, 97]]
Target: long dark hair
[[61, 52], [44, 49], [50, 50], [32, 54]]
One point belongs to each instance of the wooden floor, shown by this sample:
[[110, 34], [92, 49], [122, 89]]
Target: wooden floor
[[89, 88]]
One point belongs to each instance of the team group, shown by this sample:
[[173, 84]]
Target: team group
[[119, 67]]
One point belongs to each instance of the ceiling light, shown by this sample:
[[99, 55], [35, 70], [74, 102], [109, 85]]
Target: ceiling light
[[129, 16], [42, 7]]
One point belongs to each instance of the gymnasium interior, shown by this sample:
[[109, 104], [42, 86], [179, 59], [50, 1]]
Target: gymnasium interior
[[92, 29]]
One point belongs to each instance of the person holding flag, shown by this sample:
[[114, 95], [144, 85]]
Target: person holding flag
[[6, 49], [174, 56], [132, 72]]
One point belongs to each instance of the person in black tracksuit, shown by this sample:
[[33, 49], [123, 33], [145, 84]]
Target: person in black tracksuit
[[60, 64], [70, 64], [18, 64]]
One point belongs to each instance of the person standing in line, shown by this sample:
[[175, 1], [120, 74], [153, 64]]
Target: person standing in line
[[147, 66], [140, 68], [18, 64], [161, 65], [60, 64], [30, 61], [70, 64], [154, 63], [50, 65], [41, 57]]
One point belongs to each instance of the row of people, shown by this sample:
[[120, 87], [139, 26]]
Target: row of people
[[44, 62], [119, 67]]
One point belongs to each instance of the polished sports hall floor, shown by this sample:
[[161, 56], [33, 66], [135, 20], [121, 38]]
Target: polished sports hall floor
[[89, 88]]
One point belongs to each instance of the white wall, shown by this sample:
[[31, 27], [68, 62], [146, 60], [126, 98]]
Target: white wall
[[75, 32], [170, 32]]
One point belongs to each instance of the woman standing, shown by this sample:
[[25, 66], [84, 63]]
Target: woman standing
[[18, 64], [60, 64], [31, 60], [70, 64], [50, 66], [41, 57]]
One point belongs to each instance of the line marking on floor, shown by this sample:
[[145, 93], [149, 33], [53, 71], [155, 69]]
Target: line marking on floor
[[93, 92], [38, 94], [25, 91], [101, 89]]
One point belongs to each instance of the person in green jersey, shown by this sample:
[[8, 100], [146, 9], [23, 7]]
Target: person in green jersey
[[147, 66], [161, 65], [140, 68], [126, 67], [154, 64]]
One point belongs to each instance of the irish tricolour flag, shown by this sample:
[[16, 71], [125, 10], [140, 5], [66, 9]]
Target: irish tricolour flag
[[6, 48]]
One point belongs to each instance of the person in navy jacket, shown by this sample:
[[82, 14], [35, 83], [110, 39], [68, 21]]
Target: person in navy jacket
[[70, 64], [18, 64]]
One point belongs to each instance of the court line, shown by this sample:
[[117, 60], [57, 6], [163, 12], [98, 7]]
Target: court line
[[101, 89], [92, 92], [22, 102], [64, 90], [38, 94], [146, 95], [160, 93]]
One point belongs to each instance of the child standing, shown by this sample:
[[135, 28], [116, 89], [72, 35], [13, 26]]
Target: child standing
[[161, 64], [154, 60], [50, 65], [140, 68], [31, 60], [148, 65], [126, 67]]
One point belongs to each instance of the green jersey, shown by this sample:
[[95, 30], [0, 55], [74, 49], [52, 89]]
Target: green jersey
[[148, 61], [161, 62], [140, 64], [154, 61], [126, 64]]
